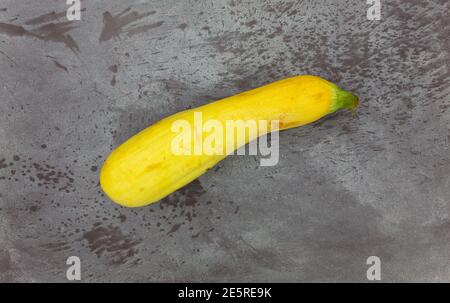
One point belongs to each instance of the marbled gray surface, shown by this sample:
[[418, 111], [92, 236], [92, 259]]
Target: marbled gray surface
[[345, 188]]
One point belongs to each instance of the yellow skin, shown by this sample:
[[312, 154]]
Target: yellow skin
[[143, 170]]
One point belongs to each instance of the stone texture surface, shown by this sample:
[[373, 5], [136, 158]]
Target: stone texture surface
[[345, 188]]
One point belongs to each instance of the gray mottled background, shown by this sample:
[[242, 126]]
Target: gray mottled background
[[345, 188]]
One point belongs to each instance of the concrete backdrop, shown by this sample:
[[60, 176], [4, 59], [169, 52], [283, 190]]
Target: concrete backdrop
[[345, 188]]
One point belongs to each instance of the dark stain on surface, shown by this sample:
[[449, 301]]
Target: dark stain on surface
[[180, 207], [5, 261], [48, 17], [46, 176], [182, 26], [278, 31], [114, 25], [236, 210], [114, 68], [185, 197], [5, 266], [58, 32], [60, 66], [234, 42], [251, 23], [142, 29], [52, 32], [8, 57], [57, 246], [174, 228], [41, 174], [3, 163], [122, 218], [12, 30], [110, 241]]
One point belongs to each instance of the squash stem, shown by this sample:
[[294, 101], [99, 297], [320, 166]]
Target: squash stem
[[344, 99]]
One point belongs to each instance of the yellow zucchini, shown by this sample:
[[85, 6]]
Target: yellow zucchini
[[145, 169]]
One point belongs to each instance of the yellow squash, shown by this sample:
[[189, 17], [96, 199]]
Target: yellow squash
[[145, 169]]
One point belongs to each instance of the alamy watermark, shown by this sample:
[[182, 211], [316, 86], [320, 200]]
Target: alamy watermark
[[74, 10], [374, 11], [374, 271], [73, 273], [217, 137]]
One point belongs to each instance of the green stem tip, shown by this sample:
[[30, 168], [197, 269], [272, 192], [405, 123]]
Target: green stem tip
[[344, 99]]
